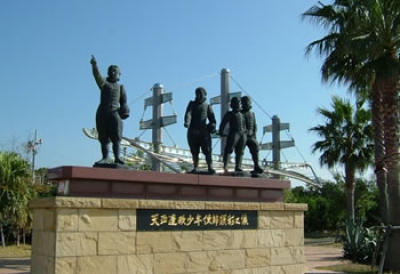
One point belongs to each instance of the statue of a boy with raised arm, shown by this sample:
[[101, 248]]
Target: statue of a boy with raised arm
[[110, 112]]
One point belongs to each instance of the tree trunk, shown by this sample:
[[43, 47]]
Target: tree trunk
[[392, 261], [392, 159], [380, 168], [349, 182], [3, 241], [16, 234]]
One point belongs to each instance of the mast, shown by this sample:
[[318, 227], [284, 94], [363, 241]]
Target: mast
[[225, 76]]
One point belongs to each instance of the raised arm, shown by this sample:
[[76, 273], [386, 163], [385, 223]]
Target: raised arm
[[96, 73]]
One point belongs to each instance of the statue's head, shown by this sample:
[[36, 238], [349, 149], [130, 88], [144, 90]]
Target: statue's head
[[235, 103], [246, 103], [113, 73], [201, 94]]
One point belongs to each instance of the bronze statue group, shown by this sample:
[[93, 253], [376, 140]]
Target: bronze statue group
[[201, 123], [199, 120]]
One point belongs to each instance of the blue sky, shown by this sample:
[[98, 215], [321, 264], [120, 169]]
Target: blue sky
[[47, 85]]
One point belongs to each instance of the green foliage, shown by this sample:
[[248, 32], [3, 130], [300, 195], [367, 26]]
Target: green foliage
[[46, 190], [361, 48], [16, 191], [346, 135], [367, 207], [326, 213], [346, 140], [359, 242], [327, 205]]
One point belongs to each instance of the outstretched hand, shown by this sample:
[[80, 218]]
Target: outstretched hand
[[93, 61]]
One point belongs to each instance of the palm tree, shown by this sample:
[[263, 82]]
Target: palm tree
[[361, 49], [347, 141], [15, 191]]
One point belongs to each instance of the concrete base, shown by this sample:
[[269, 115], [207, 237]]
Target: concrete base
[[74, 235], [182, 232]]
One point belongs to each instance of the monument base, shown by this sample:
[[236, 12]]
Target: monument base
[[125, 183], [103, 235], [180, 233]]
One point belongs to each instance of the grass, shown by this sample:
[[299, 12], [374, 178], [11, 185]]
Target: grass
[[14, 251]]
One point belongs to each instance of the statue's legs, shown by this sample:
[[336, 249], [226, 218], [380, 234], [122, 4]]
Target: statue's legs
[[104, 151], [116, 151], [239, 150], [253, 147], [207, 151], [209, 163], [238, 161], [101, 126], [231, 142], [104, 145], [257, 167], [194, 144], [115, 130], [225, 159], [195, 159]]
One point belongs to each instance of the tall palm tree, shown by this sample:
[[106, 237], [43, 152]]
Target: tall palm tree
[[361, 48], [347, 141]]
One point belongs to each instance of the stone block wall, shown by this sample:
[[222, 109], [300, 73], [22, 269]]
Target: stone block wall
[[74, 235]]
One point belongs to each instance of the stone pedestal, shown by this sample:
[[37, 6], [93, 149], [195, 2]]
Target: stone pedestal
[[123, 183], [159, 223]]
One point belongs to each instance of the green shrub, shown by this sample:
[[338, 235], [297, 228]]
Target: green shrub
[[359, 242], [327, 205]]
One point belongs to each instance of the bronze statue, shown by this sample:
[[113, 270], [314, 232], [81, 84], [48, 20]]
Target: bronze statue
[[199, 131], [251, 125], [110, 112], [236, 139]]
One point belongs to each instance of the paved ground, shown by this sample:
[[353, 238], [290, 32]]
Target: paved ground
[[316, 256], [15, 266], [320, 256]]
